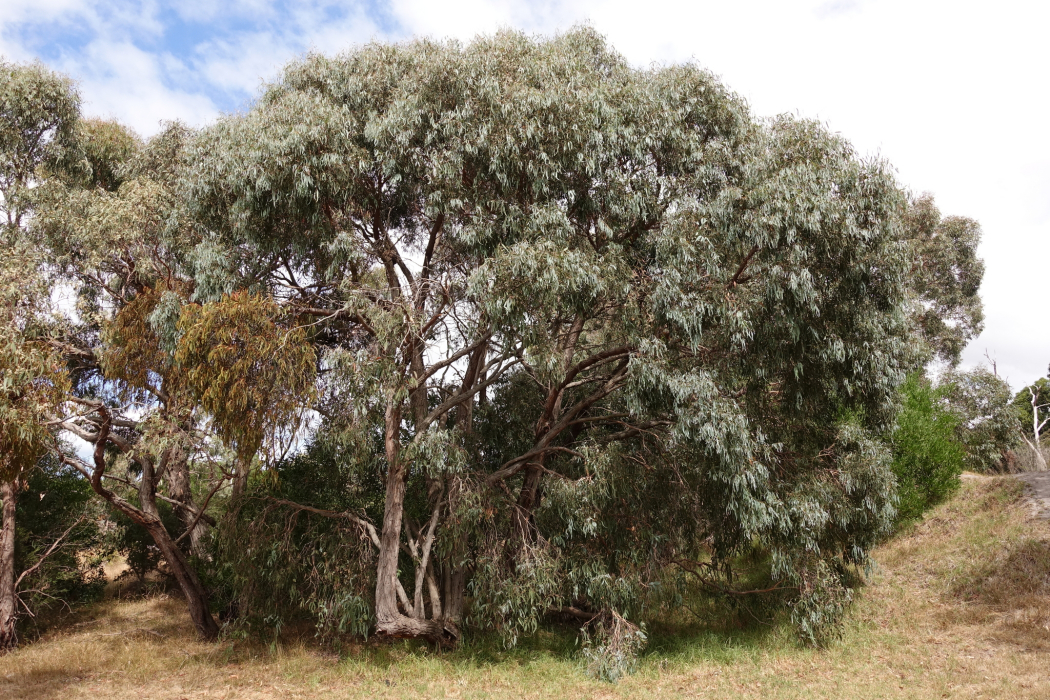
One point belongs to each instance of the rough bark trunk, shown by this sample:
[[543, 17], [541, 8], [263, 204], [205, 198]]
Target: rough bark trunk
[[240, 476], [8, 611], [455, 594], [180, 488]]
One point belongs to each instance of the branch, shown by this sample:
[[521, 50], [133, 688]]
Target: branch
[[438, 366], [513, 466], [48, 553], [691, 568], [737, 279], [368, 527], [200, 513], [460, 398]]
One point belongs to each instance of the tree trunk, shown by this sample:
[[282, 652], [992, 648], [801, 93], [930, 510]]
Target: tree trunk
[[8, 617], [1036, 443], [149, 517], [455, 592], [240, 476], [181, 490], [389, 620], [528, 500], [192, 589]]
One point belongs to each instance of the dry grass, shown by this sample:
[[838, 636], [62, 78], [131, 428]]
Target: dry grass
[[960, 608]]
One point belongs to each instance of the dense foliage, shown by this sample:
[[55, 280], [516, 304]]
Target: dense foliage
[[987, 419], [439, 337], [927, 454]]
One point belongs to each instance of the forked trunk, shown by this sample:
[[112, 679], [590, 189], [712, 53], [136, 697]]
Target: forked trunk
[[390, 621], [8, 617]]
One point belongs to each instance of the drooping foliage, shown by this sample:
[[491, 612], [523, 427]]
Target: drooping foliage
[[252, 373], [541, 331], [987, 420], [683, 301], [39, 113]]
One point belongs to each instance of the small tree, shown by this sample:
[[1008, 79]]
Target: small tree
[[987, 419], [1033, 409], [38, 120]]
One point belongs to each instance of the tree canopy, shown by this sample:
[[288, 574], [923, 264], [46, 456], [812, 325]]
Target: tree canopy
[[532, 328]]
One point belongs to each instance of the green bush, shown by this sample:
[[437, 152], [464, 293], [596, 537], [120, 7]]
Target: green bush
[[59, 540], [927, 454]]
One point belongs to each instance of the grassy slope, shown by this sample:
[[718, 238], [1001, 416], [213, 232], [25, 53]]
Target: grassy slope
[[959, 608]]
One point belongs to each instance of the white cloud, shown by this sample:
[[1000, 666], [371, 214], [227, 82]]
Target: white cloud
[[125, 83]]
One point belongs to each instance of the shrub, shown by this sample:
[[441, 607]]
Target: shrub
[[927, 454]]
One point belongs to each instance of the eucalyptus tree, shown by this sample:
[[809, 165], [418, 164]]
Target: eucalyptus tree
[[342, 195], [1032, 406], [727, 368], [946, 279], [591, 320], [38, 120], [107, 239], [987, 418]]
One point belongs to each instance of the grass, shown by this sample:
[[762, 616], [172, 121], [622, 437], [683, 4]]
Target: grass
[[959, 608]]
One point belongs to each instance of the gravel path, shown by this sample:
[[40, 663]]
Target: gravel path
[[1038, 491]]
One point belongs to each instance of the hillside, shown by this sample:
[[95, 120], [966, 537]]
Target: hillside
[[959, 607]]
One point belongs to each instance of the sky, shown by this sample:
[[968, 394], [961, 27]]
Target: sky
[[954, 94]]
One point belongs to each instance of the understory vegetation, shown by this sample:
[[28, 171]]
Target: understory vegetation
[[956, 607], [457, 342]]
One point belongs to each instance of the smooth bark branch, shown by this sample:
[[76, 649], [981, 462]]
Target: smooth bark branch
[[438, 366], [1036, 444], [460, 398], [50, 550], [424, 557], [737, 278], [368, 528]]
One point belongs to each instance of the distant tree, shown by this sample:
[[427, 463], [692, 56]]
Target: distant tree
[[987, 418], [1032, 406]]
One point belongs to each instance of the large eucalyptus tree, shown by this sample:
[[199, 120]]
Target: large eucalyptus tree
[[592, 320]]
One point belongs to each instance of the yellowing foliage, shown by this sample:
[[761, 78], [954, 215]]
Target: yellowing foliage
[[32, 384], [250, 369], [133, 350]]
